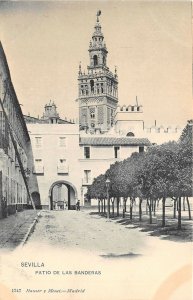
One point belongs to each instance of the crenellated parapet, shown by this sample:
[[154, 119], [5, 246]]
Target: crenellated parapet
[[129, 108], [163, 129]]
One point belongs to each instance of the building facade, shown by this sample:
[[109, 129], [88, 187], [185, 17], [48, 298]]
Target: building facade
[[66, 162], [17, 183]]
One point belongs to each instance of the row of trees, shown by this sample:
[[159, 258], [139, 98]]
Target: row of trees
[[160, 172]]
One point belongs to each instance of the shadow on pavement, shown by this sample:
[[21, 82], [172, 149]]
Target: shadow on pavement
[[126, 255]]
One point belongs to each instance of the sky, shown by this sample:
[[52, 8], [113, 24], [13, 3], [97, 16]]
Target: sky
[[149, 42]]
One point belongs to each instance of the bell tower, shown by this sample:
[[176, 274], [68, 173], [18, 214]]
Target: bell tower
[[98, 88]]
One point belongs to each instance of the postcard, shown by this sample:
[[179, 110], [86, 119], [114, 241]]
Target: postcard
[[96, 150]]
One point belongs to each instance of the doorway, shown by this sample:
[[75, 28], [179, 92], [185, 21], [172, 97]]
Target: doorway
[[63, 196]]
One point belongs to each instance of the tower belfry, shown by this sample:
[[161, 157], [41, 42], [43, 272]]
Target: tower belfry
[[98, 88]]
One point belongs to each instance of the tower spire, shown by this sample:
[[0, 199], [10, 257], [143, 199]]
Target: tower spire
[[80, 71], [98, 86], [97, 47]]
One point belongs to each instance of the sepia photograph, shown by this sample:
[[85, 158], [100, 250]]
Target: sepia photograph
[[96, 152]]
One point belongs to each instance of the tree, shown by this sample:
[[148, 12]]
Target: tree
[[97, 190]]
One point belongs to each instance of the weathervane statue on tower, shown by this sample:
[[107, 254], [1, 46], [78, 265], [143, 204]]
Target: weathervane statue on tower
[[98, 14]]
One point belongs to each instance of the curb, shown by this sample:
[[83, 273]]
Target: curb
[[30, 230]]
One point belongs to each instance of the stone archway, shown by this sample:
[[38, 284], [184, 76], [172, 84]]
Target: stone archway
[[62, 195]]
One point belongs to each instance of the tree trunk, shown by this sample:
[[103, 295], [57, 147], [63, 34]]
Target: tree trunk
[[131, 209], [113, 201], [147, 208], [104, 206], [179, 214], [174, 215], [177, 205], [140, 209], [189, 211], [113, 208], [154, 207], [163, 212], [99, 208], [184, 204], [118, 206], [123, 212], [150, 212], [151, 201], [125, 204]]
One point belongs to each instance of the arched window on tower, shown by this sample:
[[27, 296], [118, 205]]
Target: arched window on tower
[[98, 92], [104, 60], [102, 88], [95, 58], [82, 90], [92, 113], [92, 86]]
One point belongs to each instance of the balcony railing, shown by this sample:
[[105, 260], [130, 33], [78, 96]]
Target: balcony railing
[[62, 169]]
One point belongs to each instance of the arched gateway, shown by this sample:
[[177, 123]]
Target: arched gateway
[[62, 195]]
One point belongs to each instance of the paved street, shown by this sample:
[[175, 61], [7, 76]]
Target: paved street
[[80, 230], [14, 228]]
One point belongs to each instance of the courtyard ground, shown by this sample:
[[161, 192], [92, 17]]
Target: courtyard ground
[[130, 263]]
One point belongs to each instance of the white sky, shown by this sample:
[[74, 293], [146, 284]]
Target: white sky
[[149, 42]]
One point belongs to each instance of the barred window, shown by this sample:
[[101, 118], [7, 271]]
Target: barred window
[[86, 152]]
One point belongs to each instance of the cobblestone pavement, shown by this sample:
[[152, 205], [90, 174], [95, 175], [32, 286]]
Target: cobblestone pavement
[[14, 228]]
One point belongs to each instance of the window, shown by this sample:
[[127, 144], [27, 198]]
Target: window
[[102, 88], [39, 168], [92, 85], [86, 152], [92, 113], [62, 161], [38, 162], [141, 149], [62, 141], [117, 152], [87, 176], [38, 142], [62, 167], [130, 134], [95, 58]]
